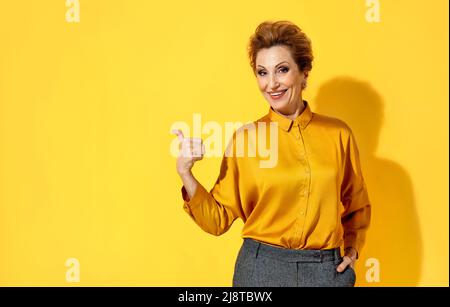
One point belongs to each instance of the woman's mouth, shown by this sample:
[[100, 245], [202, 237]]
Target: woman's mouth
[[277, 95]]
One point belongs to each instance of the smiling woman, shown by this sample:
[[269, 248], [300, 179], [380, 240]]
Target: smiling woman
[[299, 213], [281, 58]]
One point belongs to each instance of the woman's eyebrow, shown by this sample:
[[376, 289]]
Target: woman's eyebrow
[[277, 64]]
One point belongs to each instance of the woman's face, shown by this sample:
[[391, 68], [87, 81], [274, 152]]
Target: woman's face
[[279, 78]]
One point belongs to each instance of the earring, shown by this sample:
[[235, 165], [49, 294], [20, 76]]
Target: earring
[[304, 84]]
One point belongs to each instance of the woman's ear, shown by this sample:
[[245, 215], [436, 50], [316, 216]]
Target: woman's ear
[[305, 79], [306, 73]]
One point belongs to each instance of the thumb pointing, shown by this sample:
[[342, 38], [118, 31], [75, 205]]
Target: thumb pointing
[[179, 133]]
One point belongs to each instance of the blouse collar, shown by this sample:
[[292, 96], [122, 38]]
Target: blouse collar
[[302, 120]]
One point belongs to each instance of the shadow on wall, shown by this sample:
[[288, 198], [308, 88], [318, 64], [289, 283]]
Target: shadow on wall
[[394, 236]]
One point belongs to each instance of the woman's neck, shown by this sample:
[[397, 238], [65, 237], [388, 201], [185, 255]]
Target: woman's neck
[[298, 110]]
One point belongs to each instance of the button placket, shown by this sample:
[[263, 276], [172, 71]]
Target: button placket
[[296, 131], [305, 188]]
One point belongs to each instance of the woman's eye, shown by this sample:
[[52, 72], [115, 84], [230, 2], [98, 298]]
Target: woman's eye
[[281, 69]]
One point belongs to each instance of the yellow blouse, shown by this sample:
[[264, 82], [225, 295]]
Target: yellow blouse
[[314, 197]]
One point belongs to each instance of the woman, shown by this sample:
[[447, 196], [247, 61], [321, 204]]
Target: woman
[[299, 213]]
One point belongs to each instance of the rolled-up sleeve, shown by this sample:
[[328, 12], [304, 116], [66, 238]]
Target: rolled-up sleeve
[[354, 197], [216, 210]]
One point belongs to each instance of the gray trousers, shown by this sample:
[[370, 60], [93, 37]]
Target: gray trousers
[[262, 265]]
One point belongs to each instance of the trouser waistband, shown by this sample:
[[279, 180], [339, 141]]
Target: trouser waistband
[[290, 255]]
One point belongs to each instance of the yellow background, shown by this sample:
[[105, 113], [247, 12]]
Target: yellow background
[[86, 108]]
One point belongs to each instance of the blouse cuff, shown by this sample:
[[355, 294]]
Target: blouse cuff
[[352, 241], [196, 199]]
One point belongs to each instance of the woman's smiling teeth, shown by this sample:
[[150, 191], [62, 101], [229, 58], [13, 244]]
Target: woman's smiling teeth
[[277, 95]]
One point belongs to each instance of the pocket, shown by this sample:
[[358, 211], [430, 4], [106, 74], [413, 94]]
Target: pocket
[[352, 271], [243, 269], [347, 278]]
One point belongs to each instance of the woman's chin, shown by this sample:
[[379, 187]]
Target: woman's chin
[[278, 105]]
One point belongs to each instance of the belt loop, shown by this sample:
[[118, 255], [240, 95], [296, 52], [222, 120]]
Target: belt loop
[[321, 256], [337, 254], [257, 250]]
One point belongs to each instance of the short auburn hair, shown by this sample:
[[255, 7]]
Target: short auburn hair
[[273, 33]]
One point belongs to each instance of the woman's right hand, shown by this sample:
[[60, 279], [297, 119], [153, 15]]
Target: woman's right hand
[[191, 150]]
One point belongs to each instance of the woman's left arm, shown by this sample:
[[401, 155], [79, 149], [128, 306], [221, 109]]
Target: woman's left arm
[[355, 199]]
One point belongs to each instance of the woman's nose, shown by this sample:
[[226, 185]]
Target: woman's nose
[[273, 82]]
